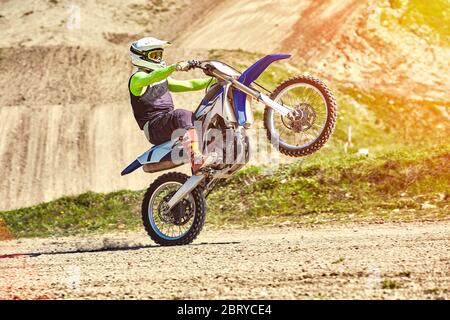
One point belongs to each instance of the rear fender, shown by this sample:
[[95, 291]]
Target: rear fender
[[158, 153]]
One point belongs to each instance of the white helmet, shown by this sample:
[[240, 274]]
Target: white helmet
[[147, 53]]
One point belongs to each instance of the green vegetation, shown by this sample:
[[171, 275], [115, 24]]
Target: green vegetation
[[433, 14], [390, 284], [387, 186], [340, 260], [427, 19], [80, 214], [399, 185]]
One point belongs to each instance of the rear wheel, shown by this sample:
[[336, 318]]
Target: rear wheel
[[312, 122], [182, 223]]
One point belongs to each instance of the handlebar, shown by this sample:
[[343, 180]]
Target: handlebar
[[205, 66], [210, 70]]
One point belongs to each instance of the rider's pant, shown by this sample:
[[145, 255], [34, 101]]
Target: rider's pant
[[160, 129]]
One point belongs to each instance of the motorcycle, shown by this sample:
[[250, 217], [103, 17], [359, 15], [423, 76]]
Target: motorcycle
[[299, 118]]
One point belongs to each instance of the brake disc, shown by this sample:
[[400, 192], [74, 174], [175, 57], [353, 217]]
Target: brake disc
[[179, 215], [301, 119]]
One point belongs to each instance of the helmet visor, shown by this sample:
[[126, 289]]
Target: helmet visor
[[155, 55]]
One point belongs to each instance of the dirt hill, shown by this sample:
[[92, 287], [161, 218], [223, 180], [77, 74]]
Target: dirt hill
[[67, 125], [66, 121], [373, 44]]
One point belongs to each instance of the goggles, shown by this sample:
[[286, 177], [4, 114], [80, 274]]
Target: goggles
[[155, 55]]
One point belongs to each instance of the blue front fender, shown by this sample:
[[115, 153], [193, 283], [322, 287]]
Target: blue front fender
[[247, 77]]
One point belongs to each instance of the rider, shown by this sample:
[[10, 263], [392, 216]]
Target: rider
[[150, 88]]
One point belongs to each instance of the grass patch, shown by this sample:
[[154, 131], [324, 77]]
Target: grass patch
[[390, 186], [426, 19], [79, 214], [434, 15], [340, 260], [383, 119], [390, 284]]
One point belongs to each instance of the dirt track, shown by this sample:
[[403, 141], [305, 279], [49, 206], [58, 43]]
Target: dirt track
[[408, 260]]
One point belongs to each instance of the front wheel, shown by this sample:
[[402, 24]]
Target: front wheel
[[182, 224], [311, 124]]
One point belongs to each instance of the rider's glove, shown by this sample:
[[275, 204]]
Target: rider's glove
[[187, 65], [182, 66], [194, 63]]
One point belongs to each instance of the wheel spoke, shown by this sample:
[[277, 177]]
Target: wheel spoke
[[164, 222], [312, 112]]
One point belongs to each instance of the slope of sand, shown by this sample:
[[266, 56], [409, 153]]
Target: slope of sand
[[67, 126], [257, 26], [342, 40], [97, 23]]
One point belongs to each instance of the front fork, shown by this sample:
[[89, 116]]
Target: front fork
[[184, 190], [283, 110], [190, 185]]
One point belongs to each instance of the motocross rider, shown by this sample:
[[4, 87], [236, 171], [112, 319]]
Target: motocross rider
[[153, 107]]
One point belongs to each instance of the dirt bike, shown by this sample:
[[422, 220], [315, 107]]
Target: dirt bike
[[299, 118]]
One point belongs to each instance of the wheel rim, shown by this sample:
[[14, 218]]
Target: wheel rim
[[311, 122], [173, 225]]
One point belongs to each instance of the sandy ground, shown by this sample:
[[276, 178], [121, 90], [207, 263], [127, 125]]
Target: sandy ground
[[286, 262]]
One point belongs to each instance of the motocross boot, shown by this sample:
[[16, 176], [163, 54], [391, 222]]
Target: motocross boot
[[190, 144]]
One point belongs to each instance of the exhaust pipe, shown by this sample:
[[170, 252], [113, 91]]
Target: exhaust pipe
[[160, 166]]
